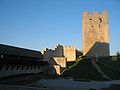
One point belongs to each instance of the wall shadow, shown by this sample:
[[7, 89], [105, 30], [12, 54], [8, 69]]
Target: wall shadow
[[99, 49]]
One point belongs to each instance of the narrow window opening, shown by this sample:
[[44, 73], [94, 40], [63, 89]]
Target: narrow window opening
[[99, 26], [92, 26], [100, 20], [90, 19]]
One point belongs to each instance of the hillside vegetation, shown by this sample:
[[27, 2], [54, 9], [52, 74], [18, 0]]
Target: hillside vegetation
[[105, 68]]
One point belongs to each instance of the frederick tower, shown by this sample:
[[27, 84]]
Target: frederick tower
[[95, 35]]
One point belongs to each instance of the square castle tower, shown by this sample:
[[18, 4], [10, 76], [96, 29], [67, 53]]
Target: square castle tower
[[95, 35]]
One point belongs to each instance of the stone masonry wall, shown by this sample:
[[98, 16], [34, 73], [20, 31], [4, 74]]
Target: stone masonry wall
[[70, 53], [60, 51], [95, 35], [60, 61]]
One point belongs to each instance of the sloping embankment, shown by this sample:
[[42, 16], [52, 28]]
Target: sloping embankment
[[89, 69]]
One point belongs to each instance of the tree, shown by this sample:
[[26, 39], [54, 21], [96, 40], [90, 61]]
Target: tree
[[118, 54], [79, 54]]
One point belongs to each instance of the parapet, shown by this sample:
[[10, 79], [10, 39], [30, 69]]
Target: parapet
[[104, 13], [85, 14], [69, 47], [46, 49], [95, 14]]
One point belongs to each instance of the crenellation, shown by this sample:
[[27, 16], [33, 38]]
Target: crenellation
[[95, 14], [69, 47], [67, 51], [58, 56], [105, 14], [85, 14]]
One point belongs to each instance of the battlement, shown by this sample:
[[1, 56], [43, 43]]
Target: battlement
[[95, 14], [86, 14], [104, 13], [46, 49], [95, 19], [69, 47], [61, 51]]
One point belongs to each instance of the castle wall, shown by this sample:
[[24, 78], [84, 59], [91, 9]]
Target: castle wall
[[60, 61], [58, 57], [95, 35], [60, 51], [70, 53], [57, 69]]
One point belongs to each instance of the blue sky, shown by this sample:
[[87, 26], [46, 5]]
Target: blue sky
[[37, 24]]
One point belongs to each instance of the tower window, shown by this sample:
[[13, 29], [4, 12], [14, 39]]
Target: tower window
[[92, 26], [100, 20], [99, 26], [90, 19]]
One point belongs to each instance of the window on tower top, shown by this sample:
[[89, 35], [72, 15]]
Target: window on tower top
[[100, 20], [90, 19], [99, 26], [92, 26]]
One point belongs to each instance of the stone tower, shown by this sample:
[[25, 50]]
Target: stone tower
[[95, 35], [70, 53]]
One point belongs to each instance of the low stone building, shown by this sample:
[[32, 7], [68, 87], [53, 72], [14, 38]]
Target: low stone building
[[59, 59], [58, 56], [61, 51], [70, 53], [20, 61]]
